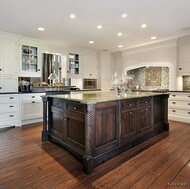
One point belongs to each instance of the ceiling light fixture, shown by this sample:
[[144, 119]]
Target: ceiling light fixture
[[119, 34], [41, 29], [91, 42], [154, 37], [72, 16], [99, 27], [143, 26], [124, 15], [120, 46]]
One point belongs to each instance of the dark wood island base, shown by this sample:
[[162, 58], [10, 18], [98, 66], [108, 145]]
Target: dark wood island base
[[96, 127]]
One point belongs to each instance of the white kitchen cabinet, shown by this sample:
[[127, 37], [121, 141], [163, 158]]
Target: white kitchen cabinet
[[8, 83], [74, 65], [184, 55], [90, 66], [9, 56], [31, 108], [179, 106], [30, 65], [9, 110]]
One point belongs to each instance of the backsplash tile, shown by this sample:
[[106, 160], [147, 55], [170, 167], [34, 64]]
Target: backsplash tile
[[186, 82], [140, 78]]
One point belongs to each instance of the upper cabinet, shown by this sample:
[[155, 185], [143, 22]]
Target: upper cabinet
[[29, 62], [184, 55], [90, 66], [8, 56], [73, 69]]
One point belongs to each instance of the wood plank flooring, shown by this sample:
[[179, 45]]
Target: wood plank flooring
[[26, 162]]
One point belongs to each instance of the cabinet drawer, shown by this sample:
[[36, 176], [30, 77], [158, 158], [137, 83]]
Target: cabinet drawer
[[181, 95], [179, 103], [9, 116], [128, 104], [176, 111], [58, 104], [8, 106], [32, 97], [144, 101], [75, 107], [8, 98]]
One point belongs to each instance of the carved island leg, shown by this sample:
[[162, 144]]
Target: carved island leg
[[88, 161], [166, 124], [44, 131]]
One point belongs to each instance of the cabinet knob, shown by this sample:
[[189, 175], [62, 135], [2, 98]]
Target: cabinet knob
[[180, 68], [188, 103], [64, 119], [173, 102], [1, 70], [173, 110], [75, 108], [188, 112], [130, 113], [173, 95], [145, 102], [129, 104], [0, 87], [146, 109], [188, 96]]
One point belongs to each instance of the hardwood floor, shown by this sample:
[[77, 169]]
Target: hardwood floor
[[28, 163]]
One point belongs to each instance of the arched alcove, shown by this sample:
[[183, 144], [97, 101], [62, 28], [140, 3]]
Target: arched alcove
[[172, 73]]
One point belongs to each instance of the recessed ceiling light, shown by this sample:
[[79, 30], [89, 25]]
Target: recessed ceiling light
[[120, 46], [91, 42], [143, 26], [72, 16], [41, 29], [99, 26], [119, 34], [154, 37], [124, 15]]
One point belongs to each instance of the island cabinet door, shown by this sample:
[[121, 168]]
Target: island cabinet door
[[57, 126], [106, 133], [129, 125], [75, 130], [145, 120]]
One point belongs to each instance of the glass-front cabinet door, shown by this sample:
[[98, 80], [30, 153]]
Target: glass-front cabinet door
[[30, 60], [73, 67]]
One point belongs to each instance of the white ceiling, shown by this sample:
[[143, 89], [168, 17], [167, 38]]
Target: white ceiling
[[164, 18]]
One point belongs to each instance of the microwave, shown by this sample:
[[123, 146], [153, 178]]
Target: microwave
[[89, 83]]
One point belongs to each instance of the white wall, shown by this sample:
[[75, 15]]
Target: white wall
[[157, 54]]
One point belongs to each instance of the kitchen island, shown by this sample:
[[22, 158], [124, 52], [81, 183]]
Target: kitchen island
[[96, 126]]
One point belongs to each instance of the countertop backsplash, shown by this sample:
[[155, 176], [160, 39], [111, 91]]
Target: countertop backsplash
[[186, 82]]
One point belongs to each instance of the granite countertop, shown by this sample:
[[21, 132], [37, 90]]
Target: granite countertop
[[96, 97], [181, 91]]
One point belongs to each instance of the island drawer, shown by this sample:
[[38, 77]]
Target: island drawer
[[128, 104], [58, 103], [75, 107], [144, 101]]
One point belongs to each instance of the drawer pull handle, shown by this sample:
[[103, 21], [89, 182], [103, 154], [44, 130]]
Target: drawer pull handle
[[129, 104], [0, 87], [11, 106], [75, 108], [174, 95], [188, 103], [130, 113], [11, 116], [11, 98], [173, 110], [0, 69], [173, 102], [33, 101], [64, 119], [188, 112], [33, 97], [189, 96]]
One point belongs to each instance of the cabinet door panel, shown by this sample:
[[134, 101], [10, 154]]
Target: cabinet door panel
[[145, 123], [129, 123], [8, 84]]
